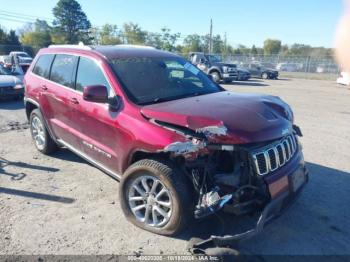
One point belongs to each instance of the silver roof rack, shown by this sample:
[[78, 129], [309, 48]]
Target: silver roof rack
[[135, 46], [79, 46]]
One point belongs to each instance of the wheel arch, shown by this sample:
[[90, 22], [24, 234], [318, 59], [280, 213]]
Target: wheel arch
[[215, 69]]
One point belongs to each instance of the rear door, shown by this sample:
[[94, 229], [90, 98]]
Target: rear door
[[58, 94]]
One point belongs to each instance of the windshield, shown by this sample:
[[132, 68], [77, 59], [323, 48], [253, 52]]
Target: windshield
[[4, 71], [152, 80], [214, 58]]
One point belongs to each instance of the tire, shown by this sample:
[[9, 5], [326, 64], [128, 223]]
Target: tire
[[216, 76], [41, 137], [264, 76], [178, 195]]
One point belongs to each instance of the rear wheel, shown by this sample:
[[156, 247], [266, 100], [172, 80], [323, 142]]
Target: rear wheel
[[216, 76], [156, 197], [41, 137]]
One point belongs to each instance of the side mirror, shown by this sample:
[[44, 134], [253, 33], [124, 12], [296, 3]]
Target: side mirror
[[202, 61], [97, 94]]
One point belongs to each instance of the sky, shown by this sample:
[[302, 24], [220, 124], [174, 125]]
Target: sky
[[245, 22]]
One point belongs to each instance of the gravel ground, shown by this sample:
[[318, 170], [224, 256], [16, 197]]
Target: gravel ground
[[62, 205]]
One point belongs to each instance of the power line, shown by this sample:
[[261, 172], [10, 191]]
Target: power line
[[24, 15]]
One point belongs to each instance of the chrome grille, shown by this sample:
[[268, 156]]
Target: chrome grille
[[275, 156]]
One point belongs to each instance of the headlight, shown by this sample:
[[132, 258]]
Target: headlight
[[19, 86], [225, 69]]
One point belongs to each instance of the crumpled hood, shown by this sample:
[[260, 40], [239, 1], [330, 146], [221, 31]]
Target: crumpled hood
[[8, 80], [248, 118]]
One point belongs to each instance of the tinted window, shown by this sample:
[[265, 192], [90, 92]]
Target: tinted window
[[42, 66], [63, 69], [89, 74]]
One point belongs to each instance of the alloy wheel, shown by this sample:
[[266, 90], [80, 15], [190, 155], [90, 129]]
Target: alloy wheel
[[38, 132], [150, 201]]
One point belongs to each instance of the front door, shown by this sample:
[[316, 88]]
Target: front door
[[96, 125]]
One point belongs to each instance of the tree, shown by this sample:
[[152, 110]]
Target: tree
[[134, 34], [9, 41], [193, 43], [254, 51], [71, 24], [168, 39], [37, 35], [108, 34], [272, 46], [218, 45]]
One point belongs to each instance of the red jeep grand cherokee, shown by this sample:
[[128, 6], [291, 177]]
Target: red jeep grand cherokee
[[181, 145]]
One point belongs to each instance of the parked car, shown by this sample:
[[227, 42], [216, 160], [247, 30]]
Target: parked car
[[287, 67], [344, 79], [259, 71], [243, 74], [11, 85], [214, 66], [181, 145], [22, 59]]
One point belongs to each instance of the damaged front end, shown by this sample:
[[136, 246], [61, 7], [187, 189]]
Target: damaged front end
[[244, 179]]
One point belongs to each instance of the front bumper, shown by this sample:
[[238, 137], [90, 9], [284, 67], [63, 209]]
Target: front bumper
[[11, 91], [229, 76], [272, 210]]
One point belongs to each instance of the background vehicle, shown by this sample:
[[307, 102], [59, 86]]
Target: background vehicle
[[145, 121], [243, 74], [22, 59], [259, 71], [213, 65], [11, 85], [344, 79]]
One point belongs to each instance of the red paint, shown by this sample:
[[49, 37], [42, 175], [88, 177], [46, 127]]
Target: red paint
[[248, 118]]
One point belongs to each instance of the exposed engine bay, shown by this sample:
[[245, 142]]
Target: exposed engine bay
[[225, 179]]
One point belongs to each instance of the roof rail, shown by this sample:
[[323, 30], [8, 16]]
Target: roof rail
[[79, 46], [135, 46]]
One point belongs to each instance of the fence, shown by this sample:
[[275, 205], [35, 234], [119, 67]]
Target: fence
[[292, 66]]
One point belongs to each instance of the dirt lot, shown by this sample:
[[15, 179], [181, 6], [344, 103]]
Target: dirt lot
[[62, 205]]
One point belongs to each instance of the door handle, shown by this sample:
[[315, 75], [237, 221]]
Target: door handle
[[44, 87], [74, 100]]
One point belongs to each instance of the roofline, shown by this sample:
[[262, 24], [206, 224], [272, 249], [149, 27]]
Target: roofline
[[81, 47]]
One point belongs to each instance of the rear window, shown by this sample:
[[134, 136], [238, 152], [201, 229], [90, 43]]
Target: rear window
[[42, 66], [63, 70]]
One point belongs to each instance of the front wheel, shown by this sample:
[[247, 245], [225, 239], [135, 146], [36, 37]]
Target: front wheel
[[265, 76], [156, 197], [215, 76]]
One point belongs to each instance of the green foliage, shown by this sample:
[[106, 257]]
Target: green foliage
[[272, 46], [37, 35], [107, 35], [9, 41], [133, 34], [71, 24]]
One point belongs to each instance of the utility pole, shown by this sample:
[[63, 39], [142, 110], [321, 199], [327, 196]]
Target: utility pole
[[211, 37]]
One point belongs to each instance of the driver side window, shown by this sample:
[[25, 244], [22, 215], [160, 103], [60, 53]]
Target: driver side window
[[89, 74]]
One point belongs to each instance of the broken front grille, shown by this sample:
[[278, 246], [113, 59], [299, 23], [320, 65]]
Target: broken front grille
[[275, 156]]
